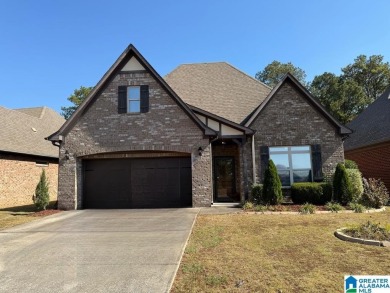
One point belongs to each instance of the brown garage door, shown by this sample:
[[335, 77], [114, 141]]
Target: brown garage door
[[137, 183]]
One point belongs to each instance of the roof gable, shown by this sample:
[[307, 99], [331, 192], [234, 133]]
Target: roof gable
[[288, 78], [372, 125], [218, 88], [131, 60]]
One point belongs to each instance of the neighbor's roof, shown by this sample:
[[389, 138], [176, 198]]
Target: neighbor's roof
[[218, 88], [24, 130], [372, 125]]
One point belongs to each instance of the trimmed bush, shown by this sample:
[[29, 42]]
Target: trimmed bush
[[342, 191], [357, 207], [311, 192], [272, 187], [356, 180], [257, 193], [307, 208], [349, 164], [334, 207], [248, 205], [375, 193], [41, 197]]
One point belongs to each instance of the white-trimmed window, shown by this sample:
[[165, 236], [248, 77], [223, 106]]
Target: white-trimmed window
[[293, 163], [133, 99]]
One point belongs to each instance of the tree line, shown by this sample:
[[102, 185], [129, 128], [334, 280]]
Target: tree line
[[344, 96]]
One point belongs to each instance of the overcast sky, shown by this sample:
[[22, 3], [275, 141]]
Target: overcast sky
[[49, 48]]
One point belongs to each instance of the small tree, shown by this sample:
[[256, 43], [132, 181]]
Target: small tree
[[342, 190], [272, 187], [41, 197]]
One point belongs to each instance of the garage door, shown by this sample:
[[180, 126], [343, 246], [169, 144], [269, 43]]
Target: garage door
[[137, 183]]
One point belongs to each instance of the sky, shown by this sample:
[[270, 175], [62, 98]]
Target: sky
[[50, 48]]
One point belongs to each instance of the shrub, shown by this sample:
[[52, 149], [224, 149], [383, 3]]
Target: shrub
[[341, 185], [355, 178], [248, 205], [41, 197], [349, 164], [272, 187], [257, 193], [311, 192], [260, 208], [334, 207], [357, 207], [375, 193], [307, 208]]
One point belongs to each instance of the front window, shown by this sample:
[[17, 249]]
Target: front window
[[293, 163], [133, 99]]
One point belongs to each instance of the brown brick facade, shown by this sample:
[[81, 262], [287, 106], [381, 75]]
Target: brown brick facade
[[19, 175], [166, 127], [373, 161], [287, 120]]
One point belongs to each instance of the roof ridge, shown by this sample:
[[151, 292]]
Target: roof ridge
[[21, 113], [247, 75], [43, 112]]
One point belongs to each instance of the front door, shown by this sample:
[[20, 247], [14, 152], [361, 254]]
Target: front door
[[225, 180]]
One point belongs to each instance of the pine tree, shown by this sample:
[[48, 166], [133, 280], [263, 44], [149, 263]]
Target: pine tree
[[272, 187], [41, 197], [342, 189]]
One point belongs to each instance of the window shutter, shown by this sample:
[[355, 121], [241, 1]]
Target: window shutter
[[122, 99], [316, 162], [264, 158], [144, 98]]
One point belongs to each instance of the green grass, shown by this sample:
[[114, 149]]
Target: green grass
[[276, 253]]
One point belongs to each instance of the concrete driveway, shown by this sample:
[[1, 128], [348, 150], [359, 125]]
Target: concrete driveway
[[95, 251]]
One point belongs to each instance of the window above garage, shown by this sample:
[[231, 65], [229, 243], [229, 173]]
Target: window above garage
[[133, 99]]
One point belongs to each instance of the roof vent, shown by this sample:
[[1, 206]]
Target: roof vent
[[33, 129]]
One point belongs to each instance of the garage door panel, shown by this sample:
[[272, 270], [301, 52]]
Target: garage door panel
[[138, 183]]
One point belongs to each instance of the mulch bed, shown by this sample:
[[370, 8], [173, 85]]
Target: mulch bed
[[45, 213], [293, 208]]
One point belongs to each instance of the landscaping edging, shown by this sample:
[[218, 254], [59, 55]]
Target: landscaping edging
[[339, 234], [317, 212]]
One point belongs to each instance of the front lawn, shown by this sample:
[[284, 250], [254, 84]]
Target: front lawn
[[277, 253], [10, 217]]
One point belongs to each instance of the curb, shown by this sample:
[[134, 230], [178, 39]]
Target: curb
[[340, 235], [182, 251]]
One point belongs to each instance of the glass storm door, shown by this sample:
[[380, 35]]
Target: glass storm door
[[224, 180]]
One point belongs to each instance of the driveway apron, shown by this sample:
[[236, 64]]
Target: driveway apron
[[95, 251]]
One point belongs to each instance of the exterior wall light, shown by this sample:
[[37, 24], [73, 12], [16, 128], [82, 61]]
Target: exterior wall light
[[67, 157], [200, 151]]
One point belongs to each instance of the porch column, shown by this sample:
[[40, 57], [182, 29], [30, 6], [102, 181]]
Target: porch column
[[201, 177]]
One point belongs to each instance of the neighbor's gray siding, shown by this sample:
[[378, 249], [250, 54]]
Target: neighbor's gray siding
[[288, 119], [166, 127]]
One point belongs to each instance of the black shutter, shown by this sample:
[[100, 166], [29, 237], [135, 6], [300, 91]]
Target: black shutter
[[144, 98], [264, 158], [122, 99], [316, 160]]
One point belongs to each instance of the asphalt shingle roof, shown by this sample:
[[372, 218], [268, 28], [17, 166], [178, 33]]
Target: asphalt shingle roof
[[218, 88], [372, 125], [24, 130]]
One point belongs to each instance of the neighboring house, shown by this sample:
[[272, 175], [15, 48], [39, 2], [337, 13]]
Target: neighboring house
[[24, 152], [201, 136], [369, 144]]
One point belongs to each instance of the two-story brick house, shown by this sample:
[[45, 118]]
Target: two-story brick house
[[200, 136]]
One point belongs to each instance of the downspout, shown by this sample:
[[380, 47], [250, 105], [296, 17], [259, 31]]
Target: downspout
[[253, 160]]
